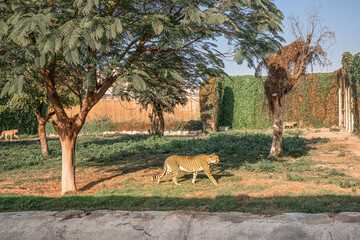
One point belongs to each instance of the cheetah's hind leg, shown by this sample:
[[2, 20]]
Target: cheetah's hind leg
[[194, 177], [175, 174]]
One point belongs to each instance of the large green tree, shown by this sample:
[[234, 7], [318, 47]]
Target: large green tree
[[107, 41]]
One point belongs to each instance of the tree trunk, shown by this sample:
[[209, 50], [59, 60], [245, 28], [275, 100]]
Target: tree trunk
[[68, 164], [153, 124], [68, 128], [162, 123], [43, 141], [42, 133], [277, 127]]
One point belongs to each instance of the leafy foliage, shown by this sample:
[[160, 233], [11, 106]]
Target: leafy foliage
[[23, 95], [113, 34], [161, 88], [15, 114], [241, 103]]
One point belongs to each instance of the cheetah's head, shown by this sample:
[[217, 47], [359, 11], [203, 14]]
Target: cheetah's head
[[214, 158]]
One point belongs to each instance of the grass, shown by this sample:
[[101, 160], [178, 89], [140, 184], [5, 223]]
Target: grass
[[233, 148], [112, 201], [243, 171]]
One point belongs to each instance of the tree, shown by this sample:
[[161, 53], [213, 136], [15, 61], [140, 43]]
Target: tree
[[28, 93], [25, 91], [287, 66], [162, 96], [169, 80], [107, 41]]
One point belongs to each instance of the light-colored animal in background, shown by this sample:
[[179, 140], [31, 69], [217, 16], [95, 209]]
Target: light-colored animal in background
[[10, 133], [290, 124], [176, 163]]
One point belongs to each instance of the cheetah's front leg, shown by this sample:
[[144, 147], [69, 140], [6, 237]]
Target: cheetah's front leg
[[207, 172]]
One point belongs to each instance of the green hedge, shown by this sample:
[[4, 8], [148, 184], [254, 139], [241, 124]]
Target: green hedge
[[242, 103], [13, 118]]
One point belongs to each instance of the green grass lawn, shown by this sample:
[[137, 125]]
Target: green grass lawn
[[247, 179]]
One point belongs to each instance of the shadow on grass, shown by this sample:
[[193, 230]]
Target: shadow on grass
[[94, 183], [24, 142], [234, 149], [241, 203], [131, 153], [114, 138]]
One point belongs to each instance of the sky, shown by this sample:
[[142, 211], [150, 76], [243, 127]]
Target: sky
[[341, 17]]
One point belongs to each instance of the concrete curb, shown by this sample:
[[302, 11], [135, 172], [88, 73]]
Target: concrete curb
[[75, 224]]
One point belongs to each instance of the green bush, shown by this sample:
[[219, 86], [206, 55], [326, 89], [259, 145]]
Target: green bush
[[12, 117], [241, 103]]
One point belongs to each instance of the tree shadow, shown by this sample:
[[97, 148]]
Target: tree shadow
[[131, 153], [24, 142], [17, 142], [94, 183], [233, 149], [112, 139], [202, 176]]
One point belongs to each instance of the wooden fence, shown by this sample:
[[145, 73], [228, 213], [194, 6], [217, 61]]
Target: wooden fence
[[122, 110]]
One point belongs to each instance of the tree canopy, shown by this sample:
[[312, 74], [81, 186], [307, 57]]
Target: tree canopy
[[104, 41]]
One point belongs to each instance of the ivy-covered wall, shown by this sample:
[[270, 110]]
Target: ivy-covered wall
[[12, 117], [313, 102], [241, 103]]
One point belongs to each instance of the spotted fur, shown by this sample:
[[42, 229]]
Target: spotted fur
[[175, 163]]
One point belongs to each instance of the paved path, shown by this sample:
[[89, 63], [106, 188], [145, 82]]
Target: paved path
[[125, 225]]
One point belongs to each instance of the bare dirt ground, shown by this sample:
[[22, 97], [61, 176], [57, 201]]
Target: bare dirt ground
[[341, 152]]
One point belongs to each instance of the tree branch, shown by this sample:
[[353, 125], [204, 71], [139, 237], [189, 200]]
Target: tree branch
[[49, 82]]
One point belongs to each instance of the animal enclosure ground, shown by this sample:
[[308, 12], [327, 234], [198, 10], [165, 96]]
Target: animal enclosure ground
[[318, 171]]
